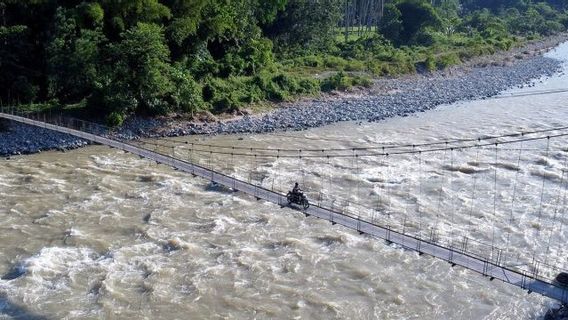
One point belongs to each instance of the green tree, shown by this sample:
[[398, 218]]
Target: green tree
[[305, 25], [138, 77], [122, 15], [489, 25], [186, 94], [186, 18], [16, 78], [416, 16], [391, 24], [73, 58]]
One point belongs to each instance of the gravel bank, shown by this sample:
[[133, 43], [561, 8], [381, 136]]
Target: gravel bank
[[24, 139], [388, 98]]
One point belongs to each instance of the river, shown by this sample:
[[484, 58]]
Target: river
[[96, 233]]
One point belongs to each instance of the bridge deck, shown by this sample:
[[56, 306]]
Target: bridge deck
[[455, 256]]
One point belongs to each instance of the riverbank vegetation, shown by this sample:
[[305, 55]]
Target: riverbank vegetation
[[111, 59]]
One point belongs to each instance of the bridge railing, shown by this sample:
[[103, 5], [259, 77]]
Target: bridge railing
[[527, 265], [491, 254], [59, 119]]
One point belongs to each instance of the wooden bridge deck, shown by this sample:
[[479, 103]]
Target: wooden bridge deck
[[456, 256]]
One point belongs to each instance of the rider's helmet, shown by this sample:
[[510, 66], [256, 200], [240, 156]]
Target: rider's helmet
[[296, 184]]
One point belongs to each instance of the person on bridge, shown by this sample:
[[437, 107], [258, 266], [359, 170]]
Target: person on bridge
[[296, 189]]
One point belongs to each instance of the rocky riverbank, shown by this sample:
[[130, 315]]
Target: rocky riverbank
[[480, 78], [23, 139]]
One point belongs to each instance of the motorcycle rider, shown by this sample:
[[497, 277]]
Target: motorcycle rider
[[296, 195], [297, 191]]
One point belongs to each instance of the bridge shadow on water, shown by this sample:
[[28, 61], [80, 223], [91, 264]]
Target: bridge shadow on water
[[17, 312]]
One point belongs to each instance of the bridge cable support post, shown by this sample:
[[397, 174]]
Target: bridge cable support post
[[523, 280], [418, 245], [464, 244]]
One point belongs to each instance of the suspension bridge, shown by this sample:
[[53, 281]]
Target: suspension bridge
[[408, 225]]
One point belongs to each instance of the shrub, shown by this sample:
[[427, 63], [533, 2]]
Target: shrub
[[282, 86], [362, 81], [425, 38], [355, 65], [334, 62], [223, 95], [564, 19], [114, 119], [226, 103], [339, 81], [430, 63], [308, 86], [505, 44], [551, 27], [446, 60], [309, 61], [186, 95]]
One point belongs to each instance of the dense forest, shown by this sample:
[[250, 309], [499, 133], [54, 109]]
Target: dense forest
[[114, 58]]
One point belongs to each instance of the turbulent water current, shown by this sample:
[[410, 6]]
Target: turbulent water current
[[97, 233]]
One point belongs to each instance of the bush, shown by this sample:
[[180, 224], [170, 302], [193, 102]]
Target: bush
[[114, 119], [446, 60], [430, 63], [385, 68], [375, 67], [551, 27], [425, 38], [564, 19], [309, 86], [339, 81], [334, 62], [474, 48], [355, 65], [312, 61], [505, 44], [362, 81], [187, 93], [223, 95], [227, 103], [283, 87]]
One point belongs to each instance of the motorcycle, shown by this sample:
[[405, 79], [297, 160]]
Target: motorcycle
[[298, 198], [562, 279]]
